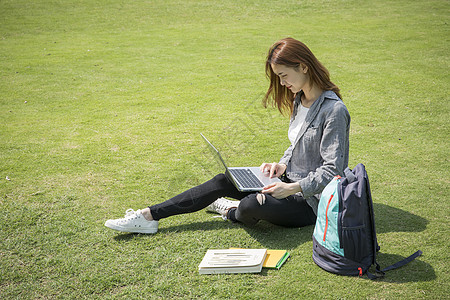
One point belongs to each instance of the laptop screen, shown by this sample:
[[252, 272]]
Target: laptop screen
[[214, 152]]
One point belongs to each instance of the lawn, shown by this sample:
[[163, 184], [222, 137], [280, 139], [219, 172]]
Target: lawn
[[101, 108]]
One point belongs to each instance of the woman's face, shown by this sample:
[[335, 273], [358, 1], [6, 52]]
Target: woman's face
[[294, 79]]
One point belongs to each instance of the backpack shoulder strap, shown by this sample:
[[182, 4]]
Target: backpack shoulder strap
[[403, 262], [349, 175], [380, 273]]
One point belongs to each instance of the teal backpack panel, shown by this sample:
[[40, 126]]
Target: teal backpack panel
[[326, 230]]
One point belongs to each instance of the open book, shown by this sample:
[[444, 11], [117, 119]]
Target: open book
[[232, 261]]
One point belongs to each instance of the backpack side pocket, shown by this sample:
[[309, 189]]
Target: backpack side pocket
[[354, 243]]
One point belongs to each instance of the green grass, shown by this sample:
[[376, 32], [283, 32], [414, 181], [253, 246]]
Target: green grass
[[101, 106]]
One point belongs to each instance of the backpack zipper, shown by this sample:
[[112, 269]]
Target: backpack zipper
[[326, 219]]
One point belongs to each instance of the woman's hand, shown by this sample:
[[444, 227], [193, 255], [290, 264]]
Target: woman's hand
[[273, 169], [281, 190]]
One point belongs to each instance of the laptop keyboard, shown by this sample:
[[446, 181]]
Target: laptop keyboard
[[246, 178]]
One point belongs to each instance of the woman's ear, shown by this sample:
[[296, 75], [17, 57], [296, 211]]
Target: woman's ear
[[304, 68]]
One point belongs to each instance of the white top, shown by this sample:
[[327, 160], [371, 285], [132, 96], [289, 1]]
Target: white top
[[295, 126]]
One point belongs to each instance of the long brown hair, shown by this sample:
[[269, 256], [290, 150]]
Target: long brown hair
[[291, 53]]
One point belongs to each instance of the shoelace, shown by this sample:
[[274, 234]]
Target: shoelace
[[219, 208], [129, 213], [223, 206]]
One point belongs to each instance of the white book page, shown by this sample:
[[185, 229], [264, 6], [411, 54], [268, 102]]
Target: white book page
[[233, 258]]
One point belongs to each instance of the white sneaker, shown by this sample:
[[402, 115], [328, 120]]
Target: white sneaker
[[221, 206], [133, 221]]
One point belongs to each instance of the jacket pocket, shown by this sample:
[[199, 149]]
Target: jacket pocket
[[312, 133]]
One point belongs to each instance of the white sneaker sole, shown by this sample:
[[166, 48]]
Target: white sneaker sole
[[132, 229]]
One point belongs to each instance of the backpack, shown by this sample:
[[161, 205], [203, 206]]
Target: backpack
[[344, 238]]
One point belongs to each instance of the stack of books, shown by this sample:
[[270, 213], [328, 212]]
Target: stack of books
[[241, 260]]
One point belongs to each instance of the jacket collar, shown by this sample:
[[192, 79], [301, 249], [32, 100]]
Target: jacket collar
[[313, 110], [318, 103]]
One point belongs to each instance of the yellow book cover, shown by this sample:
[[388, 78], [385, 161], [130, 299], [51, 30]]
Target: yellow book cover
[[275, 259]]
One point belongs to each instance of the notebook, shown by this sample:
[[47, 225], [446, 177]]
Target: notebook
[[275, 259], [232, 261], [246, 179]]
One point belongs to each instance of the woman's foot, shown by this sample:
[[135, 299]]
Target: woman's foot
[[133, 221]]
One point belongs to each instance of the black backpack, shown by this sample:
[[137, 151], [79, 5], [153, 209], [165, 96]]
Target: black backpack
[[344, 238]]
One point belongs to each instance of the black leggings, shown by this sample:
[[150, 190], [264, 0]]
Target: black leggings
[[292, 211]]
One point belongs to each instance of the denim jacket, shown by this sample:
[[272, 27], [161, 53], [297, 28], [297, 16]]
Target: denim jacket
[[321, 149]]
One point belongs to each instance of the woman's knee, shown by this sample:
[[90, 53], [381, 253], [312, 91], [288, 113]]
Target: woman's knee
[[220, 179], [249, 205], [249, 210]]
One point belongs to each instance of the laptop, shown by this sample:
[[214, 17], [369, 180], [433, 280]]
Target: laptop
[[246, 179]]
